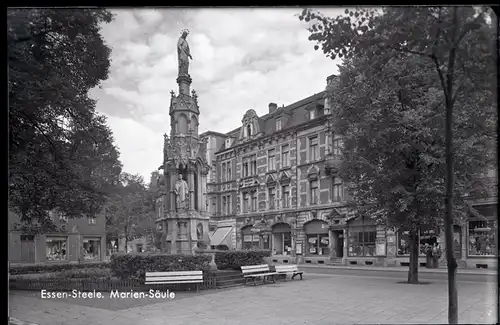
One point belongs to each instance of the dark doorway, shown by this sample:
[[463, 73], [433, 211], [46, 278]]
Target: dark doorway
[[340, 244], [457, 242], [27, 248]]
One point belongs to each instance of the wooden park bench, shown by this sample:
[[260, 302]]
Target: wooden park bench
[[257, 271], [195, 277], [289, 269]]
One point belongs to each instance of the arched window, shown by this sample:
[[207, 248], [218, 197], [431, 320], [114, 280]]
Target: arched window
[[249, 130], [182, 124], [318, 241], [250, 238]]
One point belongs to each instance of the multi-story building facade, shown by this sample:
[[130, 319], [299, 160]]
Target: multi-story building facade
[[275, 187], [82, 239]]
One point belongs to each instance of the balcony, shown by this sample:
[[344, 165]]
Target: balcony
[[332, 164]]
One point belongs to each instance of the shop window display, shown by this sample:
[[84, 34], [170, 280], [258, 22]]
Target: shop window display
[[482, 238], [426, 237], [362, 242], [56, 248], [318, 244], [92, 249]]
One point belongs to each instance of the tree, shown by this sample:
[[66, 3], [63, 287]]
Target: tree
[[129, 212], [459, 44], [61, 153]]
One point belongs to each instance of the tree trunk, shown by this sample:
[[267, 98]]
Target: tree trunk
[[414, 252], [448, 220]]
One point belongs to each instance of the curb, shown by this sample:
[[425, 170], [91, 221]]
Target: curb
[[402, 269], [15, 321]]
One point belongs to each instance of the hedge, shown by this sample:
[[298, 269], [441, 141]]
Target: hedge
[[46, 268], [236, 259], [135, 266]]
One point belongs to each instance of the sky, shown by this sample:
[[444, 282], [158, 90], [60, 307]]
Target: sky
[[242, 59]]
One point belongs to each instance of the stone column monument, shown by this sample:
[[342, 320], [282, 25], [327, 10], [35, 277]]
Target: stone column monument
[[185, 166]]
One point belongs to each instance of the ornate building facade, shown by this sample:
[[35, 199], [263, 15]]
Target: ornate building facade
[[274, 186]]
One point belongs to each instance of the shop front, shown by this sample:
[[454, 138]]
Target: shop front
[[482, 236], [317, 242]]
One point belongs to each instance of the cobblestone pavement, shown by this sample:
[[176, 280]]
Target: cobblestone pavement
[[318, 299]]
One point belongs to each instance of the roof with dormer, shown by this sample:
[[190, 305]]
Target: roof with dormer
[[296, 114]]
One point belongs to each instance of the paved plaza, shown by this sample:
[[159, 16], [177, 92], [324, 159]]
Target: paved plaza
[[318, 299]]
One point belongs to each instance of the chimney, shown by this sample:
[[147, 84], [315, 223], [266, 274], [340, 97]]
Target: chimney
[[272, 107]]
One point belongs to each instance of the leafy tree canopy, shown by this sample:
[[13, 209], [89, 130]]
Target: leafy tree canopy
[[61, 152]]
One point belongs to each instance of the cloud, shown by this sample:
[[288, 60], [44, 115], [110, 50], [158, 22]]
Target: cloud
[[242, 59]]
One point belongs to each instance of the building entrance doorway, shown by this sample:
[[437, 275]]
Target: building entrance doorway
[[339, 247]]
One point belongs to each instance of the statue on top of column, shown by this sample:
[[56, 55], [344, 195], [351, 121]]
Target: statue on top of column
[[183, 53], [181, 191]]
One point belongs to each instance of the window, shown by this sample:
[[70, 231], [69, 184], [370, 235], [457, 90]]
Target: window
[[271, 198], [313, 195], [228, 143], [482, 239], [92, 248], [224, 205], [312, 114], [139, 248], [56, 248], [426, 236], [253, 165], [337, 145], [250, 241], [223, 172], [285, 156], [313, 149], [271, 163], [228, 208], [362, 241], [318, 244], [229, 172], [285, 194], [92, 220], [317, 238], [254, 202], [245, 167], [278, 125], [245, 202], [337, 190], [249, 130]]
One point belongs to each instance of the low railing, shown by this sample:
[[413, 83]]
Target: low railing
[[64, 284]]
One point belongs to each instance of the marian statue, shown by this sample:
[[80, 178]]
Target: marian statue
[[183, 53], [181, 193]]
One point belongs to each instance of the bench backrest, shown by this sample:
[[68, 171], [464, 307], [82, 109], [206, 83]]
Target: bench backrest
[[255, 269], [287, 268], [175, 277]]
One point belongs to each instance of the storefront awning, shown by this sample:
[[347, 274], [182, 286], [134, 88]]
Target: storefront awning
[[219, 235], [476, 213]]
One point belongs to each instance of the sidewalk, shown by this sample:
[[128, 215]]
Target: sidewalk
[[320, 299], [400, 269]]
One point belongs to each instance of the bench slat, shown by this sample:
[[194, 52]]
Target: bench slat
[[174, 278], [254, 271], [249, 267], [174, 273], [173, 282], [260, 274]]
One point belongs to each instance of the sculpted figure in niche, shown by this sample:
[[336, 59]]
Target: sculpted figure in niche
[[181, 191]]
